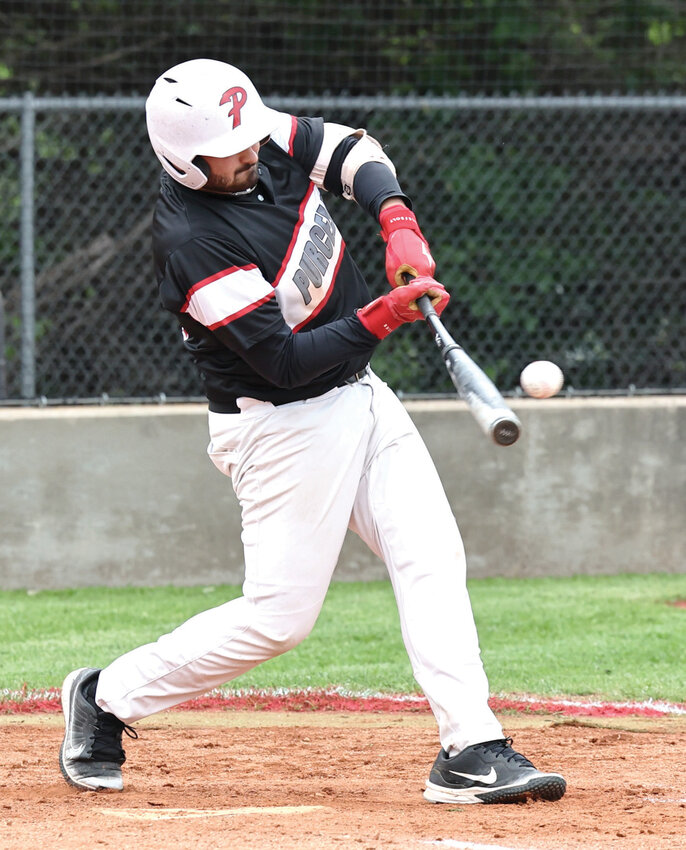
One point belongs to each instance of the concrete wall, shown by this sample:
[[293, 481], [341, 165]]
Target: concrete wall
[[126, 495]]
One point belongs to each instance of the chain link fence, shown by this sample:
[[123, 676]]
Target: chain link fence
[[558, 224], [304, 47]]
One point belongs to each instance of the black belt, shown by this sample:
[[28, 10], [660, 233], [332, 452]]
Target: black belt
[[232, 407], [355, 377]]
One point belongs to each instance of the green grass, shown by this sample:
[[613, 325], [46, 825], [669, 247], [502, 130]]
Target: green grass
[[614, 637]]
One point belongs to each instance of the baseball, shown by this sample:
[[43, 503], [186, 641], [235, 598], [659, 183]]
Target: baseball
[[541, 379]]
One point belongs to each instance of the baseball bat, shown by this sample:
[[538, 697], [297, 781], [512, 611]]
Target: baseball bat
[[472, 384]]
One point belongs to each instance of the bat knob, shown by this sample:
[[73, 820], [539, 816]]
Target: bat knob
[[505, 432]]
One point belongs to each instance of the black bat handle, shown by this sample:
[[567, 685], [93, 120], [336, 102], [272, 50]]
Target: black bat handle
[[443, 339], [425, 305]]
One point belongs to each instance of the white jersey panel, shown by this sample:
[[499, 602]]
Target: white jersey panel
[[333, 136], [223, 297], [306, 278], [284, 131]]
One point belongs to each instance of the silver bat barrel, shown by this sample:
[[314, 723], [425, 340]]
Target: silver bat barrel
[[472, 384]]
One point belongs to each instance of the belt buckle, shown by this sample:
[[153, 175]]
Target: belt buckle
[[356, 376]]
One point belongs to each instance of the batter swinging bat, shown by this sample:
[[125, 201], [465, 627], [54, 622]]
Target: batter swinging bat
[[472, 384]]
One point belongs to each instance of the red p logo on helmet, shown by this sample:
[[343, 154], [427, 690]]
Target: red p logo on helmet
[[237, 96]]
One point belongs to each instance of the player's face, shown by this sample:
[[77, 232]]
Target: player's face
[[236, 173]]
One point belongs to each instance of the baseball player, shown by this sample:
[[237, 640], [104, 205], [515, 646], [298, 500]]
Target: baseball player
[[279, 322]]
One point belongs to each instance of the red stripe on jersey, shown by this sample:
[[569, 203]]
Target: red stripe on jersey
[[327, 296], [228, 319], [212, 278], [294, 130], [294, 238]]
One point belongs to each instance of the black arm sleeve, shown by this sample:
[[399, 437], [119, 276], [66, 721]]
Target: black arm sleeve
[[375, 183], [290, 360]]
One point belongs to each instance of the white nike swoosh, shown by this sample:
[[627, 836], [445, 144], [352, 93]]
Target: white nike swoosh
[[487, 778]]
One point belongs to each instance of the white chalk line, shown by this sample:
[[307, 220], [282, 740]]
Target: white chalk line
[[654, 705], [164, 813], [659, 706]]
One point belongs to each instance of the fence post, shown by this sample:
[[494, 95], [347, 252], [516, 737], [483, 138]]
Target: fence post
[[27, 248], [3, 364]]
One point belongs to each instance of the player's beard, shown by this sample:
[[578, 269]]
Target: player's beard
[[242, 181]]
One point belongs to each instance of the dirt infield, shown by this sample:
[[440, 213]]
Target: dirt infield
[[340, 780]]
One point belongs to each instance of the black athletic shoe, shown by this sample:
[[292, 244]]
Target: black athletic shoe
[[91, 755], [491, 772]]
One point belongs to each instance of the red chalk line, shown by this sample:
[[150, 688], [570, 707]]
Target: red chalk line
[[28, 701]]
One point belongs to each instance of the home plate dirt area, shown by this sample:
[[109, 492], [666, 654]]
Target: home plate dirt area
[[323, 779]]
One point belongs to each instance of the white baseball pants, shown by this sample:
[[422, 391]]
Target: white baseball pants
[[304, 472]]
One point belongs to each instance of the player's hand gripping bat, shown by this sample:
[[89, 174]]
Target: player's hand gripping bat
[[471, 382]]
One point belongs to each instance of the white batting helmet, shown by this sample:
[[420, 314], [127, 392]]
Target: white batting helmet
[[204, 107]]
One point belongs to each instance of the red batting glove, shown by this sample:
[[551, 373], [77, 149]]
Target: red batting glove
[[399, 306], [406, 248]]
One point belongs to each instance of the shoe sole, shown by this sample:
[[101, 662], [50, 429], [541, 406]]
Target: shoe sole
[[66, 699], [549, 787]]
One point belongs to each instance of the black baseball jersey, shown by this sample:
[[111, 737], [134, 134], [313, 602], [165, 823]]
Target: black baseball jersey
[[262, 283]]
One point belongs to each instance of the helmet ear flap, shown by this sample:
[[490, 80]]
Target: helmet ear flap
[[187, 173]]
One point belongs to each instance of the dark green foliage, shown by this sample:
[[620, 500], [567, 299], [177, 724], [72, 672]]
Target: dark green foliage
[[561, 234], [496, 46]]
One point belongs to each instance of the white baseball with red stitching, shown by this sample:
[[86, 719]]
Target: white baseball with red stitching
[[541, 379]]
